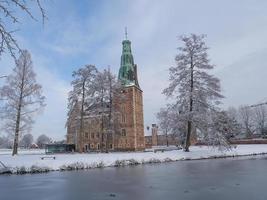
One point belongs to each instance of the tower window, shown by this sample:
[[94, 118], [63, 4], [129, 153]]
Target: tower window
[[124, 118], [123, 115], [123, 132]]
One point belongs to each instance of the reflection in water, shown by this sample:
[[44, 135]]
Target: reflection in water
[[220, 179]]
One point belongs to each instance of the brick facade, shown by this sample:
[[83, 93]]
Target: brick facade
[[132, 122], [129, 135], [155, 139]]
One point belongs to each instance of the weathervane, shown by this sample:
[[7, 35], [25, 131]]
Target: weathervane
[[126, 34]]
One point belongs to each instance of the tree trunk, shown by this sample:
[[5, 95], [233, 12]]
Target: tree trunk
[[167, 142], [102, 120], [80, 136], [109, 132], [16, 137], [187, 141], [189, 123], [102, 133], [107, 141]]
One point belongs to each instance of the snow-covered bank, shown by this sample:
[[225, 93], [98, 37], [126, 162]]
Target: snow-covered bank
[[32, 163], [22, 151]]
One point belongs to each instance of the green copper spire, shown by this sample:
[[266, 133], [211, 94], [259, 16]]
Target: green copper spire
[[128, 70]]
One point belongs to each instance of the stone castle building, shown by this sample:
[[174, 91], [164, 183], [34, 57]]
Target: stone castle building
[[129, 135]]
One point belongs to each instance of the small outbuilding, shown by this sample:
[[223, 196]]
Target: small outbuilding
[[59, 148]]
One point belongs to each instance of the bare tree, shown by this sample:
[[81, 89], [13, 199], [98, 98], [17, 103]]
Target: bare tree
[[260, 118], [246, 119], [22, 98], [221, 129], [232, 112], [26, 140], [5, 142], [107, 97], [42, 140], [194, 90], [9, 17], [165, 121], [81, 96]]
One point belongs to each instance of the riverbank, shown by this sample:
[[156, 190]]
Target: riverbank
[[27, 162]]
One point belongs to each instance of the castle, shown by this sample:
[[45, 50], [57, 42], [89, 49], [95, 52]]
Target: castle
[[130, 134]]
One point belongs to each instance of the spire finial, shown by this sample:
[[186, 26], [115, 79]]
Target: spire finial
[[126, 34]]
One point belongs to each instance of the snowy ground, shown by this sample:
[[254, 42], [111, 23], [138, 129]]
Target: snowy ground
[[30, 161], [22, 151]]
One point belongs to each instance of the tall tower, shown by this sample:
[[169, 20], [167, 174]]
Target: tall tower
[[132, 119]]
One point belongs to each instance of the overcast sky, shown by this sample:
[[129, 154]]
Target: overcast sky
[[91, 32]]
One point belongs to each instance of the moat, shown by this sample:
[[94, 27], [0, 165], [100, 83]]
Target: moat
[[243, 178]]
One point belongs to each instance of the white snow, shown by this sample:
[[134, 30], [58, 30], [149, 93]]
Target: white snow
[[22, 151], [28, 161]]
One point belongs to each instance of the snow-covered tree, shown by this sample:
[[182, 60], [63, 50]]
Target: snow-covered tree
[[232, 114], [260, 120], [166, 116], [247, 120], [26, 140], [191, 86], [10, 19], [221, 128], [22, 98], [216, 131], [107, 97], [81, 97], [5, 142], [42, 140]]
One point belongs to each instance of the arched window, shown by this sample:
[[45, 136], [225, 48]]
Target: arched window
[[123, 132]]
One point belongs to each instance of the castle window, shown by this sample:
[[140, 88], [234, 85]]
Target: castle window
[[98, 146], [92, 135], [110, 146], [97, 135], [123, 132], [123, 118]]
